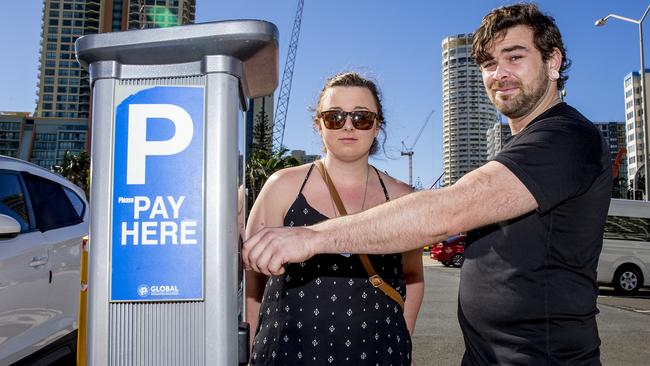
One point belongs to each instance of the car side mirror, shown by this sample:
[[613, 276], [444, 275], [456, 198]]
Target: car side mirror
[[9, 227]]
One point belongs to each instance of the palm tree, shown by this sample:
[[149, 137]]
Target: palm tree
[[261, 165], [75, 168]]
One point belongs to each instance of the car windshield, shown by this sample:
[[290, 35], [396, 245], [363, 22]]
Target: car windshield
[[451, 239]]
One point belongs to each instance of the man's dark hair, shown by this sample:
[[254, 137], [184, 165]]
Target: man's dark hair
[[546, 34]]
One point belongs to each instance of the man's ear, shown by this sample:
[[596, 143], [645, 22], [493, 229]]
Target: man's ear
[[553, 64]]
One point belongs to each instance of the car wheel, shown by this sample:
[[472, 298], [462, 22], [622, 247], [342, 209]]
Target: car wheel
[[627, 280], [457, 260]]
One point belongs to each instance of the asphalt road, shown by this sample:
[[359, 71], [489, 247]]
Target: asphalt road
[[624, 323]]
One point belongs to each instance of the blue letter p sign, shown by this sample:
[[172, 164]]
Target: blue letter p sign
[[138, 145], [157, 224]]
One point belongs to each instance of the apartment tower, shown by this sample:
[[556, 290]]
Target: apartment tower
[[614, 134], [61, 120], [63, 89], [496, 136], [634, 126], [467, 111]]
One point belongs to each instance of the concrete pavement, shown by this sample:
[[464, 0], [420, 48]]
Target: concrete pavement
[[624, 323]]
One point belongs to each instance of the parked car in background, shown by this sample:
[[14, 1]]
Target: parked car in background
[[624, 261], [450, 252], [43, 218]]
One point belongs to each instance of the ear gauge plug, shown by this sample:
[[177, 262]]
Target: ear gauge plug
[[554, 75]]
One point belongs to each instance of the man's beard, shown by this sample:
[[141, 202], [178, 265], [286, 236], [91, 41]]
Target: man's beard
[[520, 105]]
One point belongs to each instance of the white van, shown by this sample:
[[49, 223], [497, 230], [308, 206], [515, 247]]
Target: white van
[[625, 260]]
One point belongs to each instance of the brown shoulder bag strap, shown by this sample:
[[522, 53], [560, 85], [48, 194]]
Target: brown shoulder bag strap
[[374, 279]]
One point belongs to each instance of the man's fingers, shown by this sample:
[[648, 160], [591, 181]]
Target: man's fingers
[[262, 260], [250, 246], [254, 256], [275, 265]]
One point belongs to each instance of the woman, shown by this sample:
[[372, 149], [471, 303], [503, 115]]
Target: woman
[[325, 310]]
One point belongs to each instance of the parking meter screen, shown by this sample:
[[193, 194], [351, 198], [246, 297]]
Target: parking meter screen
[[157, 222]]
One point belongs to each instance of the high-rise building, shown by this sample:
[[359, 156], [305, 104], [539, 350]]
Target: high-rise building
[[467, 111], [41, 140], [63, 89], [259, 124], [496, 136], [634, 124], [303, 157], [614, 134], [119, 15], [11, 128]]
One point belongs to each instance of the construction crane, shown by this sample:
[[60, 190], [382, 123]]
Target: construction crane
[[437, 182], [409, 151], [280, 116]]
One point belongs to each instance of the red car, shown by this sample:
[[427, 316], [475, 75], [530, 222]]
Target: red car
[[450, 252]]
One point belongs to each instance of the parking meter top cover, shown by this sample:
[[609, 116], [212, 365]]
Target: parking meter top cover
[[253, 42]]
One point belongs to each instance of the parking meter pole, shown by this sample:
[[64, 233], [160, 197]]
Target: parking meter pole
[[98, 265], [220, 134], [163, 279]]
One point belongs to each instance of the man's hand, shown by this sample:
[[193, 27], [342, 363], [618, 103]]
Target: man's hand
[[270, 248]]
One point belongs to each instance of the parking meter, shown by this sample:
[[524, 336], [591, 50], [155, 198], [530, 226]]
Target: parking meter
[[164, 241]]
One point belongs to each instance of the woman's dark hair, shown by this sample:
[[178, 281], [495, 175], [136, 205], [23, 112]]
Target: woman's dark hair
[[546, 34], [353, 79]]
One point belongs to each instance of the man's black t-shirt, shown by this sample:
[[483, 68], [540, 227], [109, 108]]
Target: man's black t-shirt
[[528, 285]]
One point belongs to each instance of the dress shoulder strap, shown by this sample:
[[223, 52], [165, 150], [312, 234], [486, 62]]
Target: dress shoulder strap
[[383, 186], [306, 178]]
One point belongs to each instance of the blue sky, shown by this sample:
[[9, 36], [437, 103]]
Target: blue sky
[[395, 42]]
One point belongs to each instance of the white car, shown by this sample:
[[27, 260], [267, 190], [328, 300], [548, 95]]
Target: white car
[[43, 220], [625, 260]]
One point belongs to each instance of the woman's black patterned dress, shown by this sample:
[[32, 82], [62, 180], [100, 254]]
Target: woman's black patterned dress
[[325, 311]]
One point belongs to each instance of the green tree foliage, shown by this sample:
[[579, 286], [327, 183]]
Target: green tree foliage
[[76, 168], [261, 165]]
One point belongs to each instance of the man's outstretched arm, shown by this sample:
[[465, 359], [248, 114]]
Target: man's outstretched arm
[[489, 194]]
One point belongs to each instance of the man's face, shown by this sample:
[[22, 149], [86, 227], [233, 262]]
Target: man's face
[[516, 77]]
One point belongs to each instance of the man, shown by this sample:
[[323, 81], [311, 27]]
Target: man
[[528, 285]]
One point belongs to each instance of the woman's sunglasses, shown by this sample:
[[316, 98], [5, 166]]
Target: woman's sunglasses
[[361, 120]]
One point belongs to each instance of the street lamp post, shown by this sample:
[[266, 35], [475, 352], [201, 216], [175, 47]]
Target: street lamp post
[[646, 125]]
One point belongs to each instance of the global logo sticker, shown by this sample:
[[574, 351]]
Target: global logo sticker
[[143, 291], [166, 290]]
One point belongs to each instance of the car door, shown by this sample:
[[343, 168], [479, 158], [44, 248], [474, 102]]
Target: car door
[[59, 215], [24, 274]]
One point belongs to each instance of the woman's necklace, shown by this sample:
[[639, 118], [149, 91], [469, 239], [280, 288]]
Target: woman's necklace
[[363, 202]]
